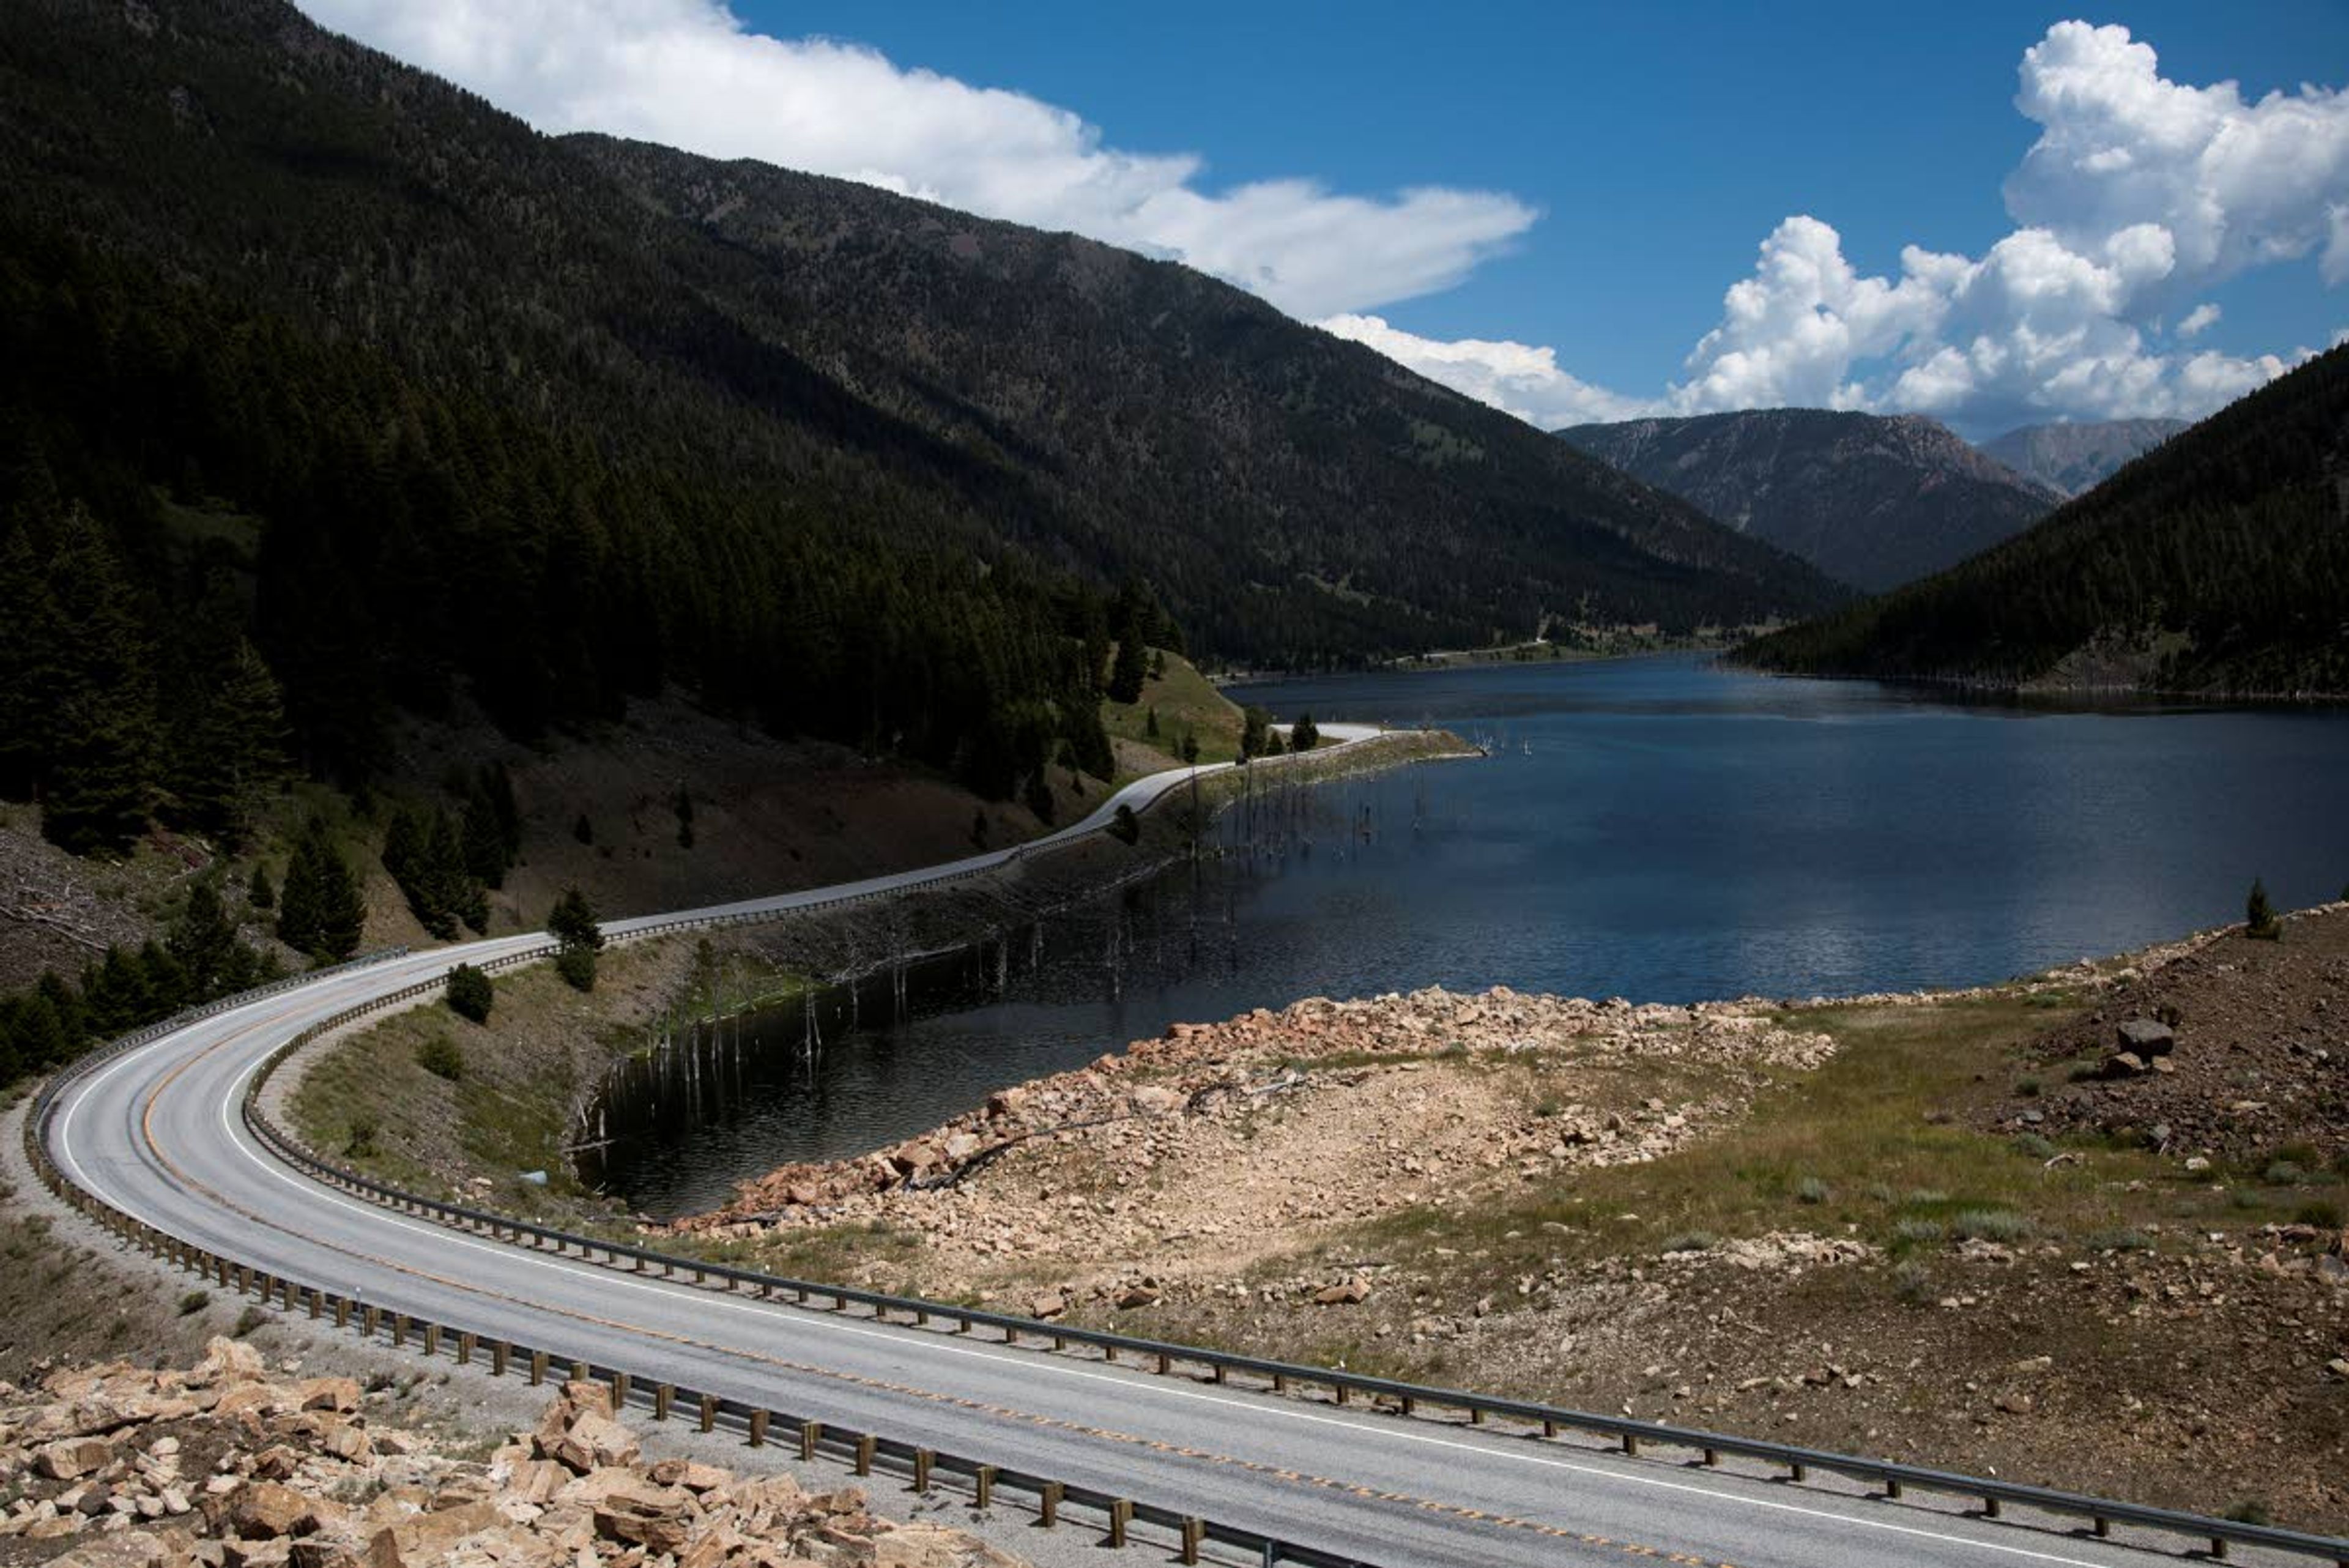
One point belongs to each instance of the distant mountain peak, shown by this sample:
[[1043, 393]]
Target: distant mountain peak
[[2074, 457], [1872, 499]]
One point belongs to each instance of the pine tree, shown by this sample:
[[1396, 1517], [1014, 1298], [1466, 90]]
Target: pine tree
[[572, 924], [204, 943], [261, 893], [103, 714], [228, 744], [453, 886], [486, 854], [1303, 735], [2258, 915], [321, 912], [1131, 666]]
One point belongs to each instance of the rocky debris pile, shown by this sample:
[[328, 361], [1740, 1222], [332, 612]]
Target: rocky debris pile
[[225, 1467], [2236, 1052], [1226, 1072]]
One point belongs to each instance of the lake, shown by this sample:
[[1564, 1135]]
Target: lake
[[1658, 829]]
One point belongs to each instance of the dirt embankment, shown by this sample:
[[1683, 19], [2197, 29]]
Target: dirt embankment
[[1222, 1143], [125, 1466], [1870, 1225]]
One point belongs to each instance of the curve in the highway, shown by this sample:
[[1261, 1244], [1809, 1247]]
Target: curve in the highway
[[157, 1133]]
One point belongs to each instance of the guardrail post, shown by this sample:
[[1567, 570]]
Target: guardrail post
[[1281, 1383], [709, 1411], [1476, 1414], [465, 1342], [922, 1461], [370, 1321], [1892, 1488], [400, 1330], [1120, 1514], [578, 1372], [342, 1312], [866, 1444], [1990, 1508], [982, 1487], [499, 1350], [537, 1367], [313, 1295], [758, 1428], [1796, 1471], [1712, 1457], [1345, 1395], [1631, 1443], [619, 1392], [2101, 1526], [662, 1394], [2219, 1548], [1194, 1532], [811, 1434], [1048, 1503]]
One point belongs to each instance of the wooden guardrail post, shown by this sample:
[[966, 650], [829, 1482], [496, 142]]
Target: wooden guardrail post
[[923, 1458], [465, 1342], [398, 1331], [709, 1411], [1121, 1515], [619, 1392], [982, 1487], [1195, 1533], [662, 1394], [758, 1428], [537, 1367], [811, 1434], [1048, 1503], [865, 1445], [498, 1351]]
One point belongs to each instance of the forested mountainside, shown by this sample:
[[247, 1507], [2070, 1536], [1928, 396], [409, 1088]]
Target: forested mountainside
[[2074, 459], [2217, 563], [1871, 500], [432, 400]]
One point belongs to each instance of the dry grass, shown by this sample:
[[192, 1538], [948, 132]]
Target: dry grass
[[1187, 702]]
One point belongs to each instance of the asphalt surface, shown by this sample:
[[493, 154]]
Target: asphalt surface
[[159, 1134]]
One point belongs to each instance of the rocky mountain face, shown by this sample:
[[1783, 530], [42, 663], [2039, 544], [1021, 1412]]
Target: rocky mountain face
[[1871, 500], [2074, 459]]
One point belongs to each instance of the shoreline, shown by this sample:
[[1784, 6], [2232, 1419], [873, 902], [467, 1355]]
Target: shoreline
[[470, 1136]]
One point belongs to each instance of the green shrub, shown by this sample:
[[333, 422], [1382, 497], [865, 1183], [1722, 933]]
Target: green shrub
[[2027, 1087], [250, 1319], [1924, 1198], [359, 1142], [1912, 1281], [576, 965], [2249, 1510], [1811, 1189], [2124, 1240], [2284, 1173], [2258, 915], [2325, 1214], [2031, 1145], [471, 995], [1990, 1225], [1126, 827], [194, 1301], [1916, 1232], [1691, 1241], [441, 1057]]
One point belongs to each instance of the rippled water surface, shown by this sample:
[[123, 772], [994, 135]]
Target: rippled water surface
[[1656, 829]]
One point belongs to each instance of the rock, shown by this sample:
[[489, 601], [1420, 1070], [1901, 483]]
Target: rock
[[2145, 1039], [337, 1394], [961, 1146], [72, 1458], [2124, 1064], [2197, 1164], [658, 1519], [2339, 1368], [1347, 1293], [228, 1361], [592, 1442], [2015, 1404], [267, 1509], [126, 1548], [1135, 1296], [1049, 1304], [1154, 1101]]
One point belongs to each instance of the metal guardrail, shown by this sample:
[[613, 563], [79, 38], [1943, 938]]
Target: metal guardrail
[[863, 1451], [1892, 1480]]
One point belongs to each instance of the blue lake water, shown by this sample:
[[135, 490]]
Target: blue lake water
[[1657, 829]]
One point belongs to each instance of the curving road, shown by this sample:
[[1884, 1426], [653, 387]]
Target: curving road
[[158, 1134]]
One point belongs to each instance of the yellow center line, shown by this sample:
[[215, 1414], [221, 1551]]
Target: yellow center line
[[1052, 1423]]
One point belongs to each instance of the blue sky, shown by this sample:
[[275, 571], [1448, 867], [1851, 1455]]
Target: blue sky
[[1592, 181]]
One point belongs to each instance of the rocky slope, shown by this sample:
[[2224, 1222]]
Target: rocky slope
[[2074, 459], [226, 1464], [1871, 500], [1226, 1143]]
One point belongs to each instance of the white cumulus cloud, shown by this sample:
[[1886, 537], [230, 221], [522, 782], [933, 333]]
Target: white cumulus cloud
[[686, 73], [2138, 193], [1519, 378]]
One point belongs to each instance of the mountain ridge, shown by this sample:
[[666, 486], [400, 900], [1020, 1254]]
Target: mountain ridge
[[2075, 458], [2216, 565], [1872, 499]]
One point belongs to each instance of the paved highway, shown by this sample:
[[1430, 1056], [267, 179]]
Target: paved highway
[[157, 1133]]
